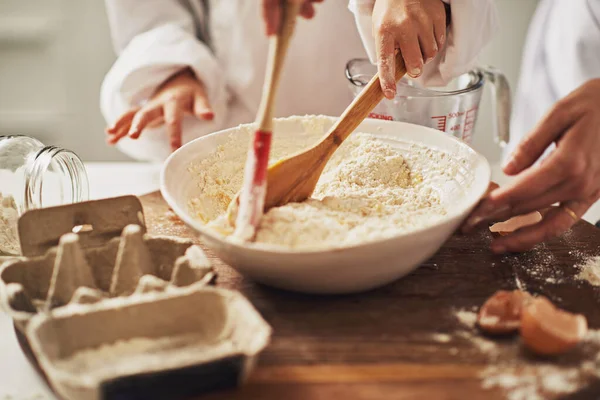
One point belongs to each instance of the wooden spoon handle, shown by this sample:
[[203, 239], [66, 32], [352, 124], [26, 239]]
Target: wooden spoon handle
[[277, 51], [362, 105]]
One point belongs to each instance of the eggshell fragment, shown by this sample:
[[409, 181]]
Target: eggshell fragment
[[518, 222], [547, 330], [501, 313]]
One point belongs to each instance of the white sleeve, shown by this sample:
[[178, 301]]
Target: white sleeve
[[570, 45], [473, 24], [155, 39]]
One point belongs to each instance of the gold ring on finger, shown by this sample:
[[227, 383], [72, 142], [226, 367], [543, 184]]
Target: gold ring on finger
[[570, 212]]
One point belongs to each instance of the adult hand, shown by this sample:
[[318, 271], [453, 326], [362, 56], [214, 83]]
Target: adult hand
[[570, 175], [271, 11], [181, 94], [416, 27]]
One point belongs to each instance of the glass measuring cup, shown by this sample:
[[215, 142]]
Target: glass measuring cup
[[451, 109]]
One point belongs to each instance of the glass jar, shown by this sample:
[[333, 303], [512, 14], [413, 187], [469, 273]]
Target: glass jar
[[33, 175]]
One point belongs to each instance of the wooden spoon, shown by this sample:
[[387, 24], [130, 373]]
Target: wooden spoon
[[294, 179], [252, 196]]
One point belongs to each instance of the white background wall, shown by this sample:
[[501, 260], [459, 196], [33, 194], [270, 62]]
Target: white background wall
[[504, 53], [53, 56], [54, 53]]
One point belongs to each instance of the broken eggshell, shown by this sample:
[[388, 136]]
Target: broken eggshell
[[518, 222], [142, 346], [62, 275], [501, 313], [548, 330]]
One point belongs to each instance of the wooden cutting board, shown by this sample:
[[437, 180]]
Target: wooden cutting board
[[404, 340]]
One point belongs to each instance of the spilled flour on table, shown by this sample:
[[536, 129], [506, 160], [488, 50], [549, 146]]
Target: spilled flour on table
[[369, 190], [468, 320], [539, 379], [539, 265], [590, 271], [510, 369], [466, 317], [441, 337], [532, 382]]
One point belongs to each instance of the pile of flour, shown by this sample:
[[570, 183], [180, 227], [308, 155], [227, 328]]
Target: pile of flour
[[12, 183], [369, 190], [590, 271], [9, 238]]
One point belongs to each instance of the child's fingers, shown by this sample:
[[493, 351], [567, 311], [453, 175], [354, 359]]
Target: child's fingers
[[307, 11], [439, 29], [202, 108], [386, 63], [155, 123], [271, 14], [411, 52], [173, 115], [124, 129], [124, 119], [118, 135], [143, 118], [428, 43]]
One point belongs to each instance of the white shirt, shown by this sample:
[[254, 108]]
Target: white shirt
[[223, 41], [561, 53]]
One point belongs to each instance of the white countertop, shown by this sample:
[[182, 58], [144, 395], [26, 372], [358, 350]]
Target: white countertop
[[18, 381]]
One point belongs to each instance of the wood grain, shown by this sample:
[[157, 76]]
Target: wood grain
[[382, 344]]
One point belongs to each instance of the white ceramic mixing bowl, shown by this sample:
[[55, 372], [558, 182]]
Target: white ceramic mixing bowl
[[342, 270]]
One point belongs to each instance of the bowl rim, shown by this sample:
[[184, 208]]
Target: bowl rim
[[262, 249]]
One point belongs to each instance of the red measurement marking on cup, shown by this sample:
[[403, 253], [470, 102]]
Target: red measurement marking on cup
[[469, 124], [470, 119], [380, 116], [441, 122]]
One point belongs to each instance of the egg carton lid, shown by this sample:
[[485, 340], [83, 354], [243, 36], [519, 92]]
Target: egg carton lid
[[95, 222]]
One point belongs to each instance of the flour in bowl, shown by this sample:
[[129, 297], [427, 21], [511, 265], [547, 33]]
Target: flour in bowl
[[370, 190]]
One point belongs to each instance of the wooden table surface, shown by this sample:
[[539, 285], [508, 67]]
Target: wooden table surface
[[386, 343]]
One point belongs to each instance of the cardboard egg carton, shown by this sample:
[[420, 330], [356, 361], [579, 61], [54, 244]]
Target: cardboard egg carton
[[111, 255], [110, 312], [177, 347]]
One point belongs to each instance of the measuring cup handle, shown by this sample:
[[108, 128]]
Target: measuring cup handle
[[501, 103]]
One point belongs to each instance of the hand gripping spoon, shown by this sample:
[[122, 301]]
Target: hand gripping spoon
[[252, 196]]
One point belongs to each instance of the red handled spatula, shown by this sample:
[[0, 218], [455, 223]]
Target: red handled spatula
[[247, 208]]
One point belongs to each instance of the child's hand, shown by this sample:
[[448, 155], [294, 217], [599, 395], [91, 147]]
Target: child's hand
[[271, 11], [416, 27], [181, 94]]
